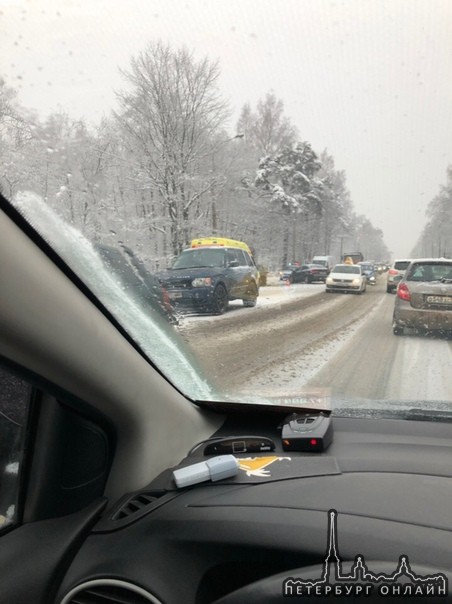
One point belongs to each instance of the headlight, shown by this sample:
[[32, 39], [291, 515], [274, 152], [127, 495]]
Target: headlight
[[356, 282], [202, 282], [329, 280]]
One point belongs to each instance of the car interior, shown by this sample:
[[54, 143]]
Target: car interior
[[90, 509], [181, 421]]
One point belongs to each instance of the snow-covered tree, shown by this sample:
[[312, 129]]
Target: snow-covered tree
[[436, 238], [288, 180], [267, 130], [171, 115]]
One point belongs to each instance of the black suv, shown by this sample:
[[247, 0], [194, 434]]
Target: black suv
[[205, 278]]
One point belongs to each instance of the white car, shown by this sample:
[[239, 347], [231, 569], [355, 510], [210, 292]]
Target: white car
[[346, 278], [395, 273]]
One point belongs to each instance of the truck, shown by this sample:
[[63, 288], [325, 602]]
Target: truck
[[326, 261]]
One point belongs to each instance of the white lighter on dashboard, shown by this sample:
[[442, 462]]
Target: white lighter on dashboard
[[217, 468]]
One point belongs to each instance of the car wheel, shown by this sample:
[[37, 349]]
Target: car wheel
[[397, 329], [220, 300], [251, 300]]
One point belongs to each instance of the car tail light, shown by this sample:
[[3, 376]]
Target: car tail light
[[393, 271], [166, 299], [403, 292]]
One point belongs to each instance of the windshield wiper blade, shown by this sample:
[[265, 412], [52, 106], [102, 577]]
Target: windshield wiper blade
[[413, 414], [427, 415]]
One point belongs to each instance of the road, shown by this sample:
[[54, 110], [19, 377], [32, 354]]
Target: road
[[337, 343]]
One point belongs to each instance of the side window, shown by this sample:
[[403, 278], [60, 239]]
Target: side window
[[241, 257], [15, 396], [234, 254], [249, 260]]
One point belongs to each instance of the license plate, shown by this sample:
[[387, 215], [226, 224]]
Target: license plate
[[174, 295], [439, 300]]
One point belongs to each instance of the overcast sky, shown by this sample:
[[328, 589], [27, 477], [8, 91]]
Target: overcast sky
[[370, 80]]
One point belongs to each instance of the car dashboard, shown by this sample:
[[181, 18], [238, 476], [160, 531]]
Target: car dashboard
[[389, 483]]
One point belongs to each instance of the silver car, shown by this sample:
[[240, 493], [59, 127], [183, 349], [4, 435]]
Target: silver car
[[424, 296]]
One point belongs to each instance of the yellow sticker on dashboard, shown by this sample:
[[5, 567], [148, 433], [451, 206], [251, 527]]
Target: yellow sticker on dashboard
[[256, 466]]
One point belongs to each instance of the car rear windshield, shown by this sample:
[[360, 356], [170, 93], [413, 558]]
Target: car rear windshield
[[347, 268], [402, 265], [430, 272]]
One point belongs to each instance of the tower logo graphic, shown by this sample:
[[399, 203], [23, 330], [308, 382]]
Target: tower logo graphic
[[361, 581]]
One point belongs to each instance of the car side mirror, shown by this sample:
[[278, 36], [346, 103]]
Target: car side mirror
[[233, 263]]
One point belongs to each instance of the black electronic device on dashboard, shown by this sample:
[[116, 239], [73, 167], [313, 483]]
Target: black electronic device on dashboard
[[237, 444], [307, 432]]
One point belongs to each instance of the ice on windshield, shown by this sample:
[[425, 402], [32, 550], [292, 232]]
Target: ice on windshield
[[171, 355]]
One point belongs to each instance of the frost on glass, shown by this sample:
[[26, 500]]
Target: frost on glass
[[156, 338]]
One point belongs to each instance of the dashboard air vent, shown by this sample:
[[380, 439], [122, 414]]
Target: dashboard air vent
[[133, 505], [131, 508], [108, 591]]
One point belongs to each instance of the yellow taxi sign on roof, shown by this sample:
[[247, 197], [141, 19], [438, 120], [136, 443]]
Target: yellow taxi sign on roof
[[220, 241]]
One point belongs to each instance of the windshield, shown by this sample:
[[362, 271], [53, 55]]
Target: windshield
[[200, 258], [290, 132], [347, 269]]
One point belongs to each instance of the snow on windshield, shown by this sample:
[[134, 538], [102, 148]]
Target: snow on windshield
[[81, 256]]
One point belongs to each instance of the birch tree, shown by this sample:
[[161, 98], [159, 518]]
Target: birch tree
[[172, 115], [267, 130]]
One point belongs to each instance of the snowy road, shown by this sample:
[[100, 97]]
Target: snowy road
[[299, 338]]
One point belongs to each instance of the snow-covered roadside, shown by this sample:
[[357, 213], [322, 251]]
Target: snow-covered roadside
[[269, 295], [282, 293]]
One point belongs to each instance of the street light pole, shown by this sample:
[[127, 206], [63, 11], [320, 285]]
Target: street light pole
[[214, 199]]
